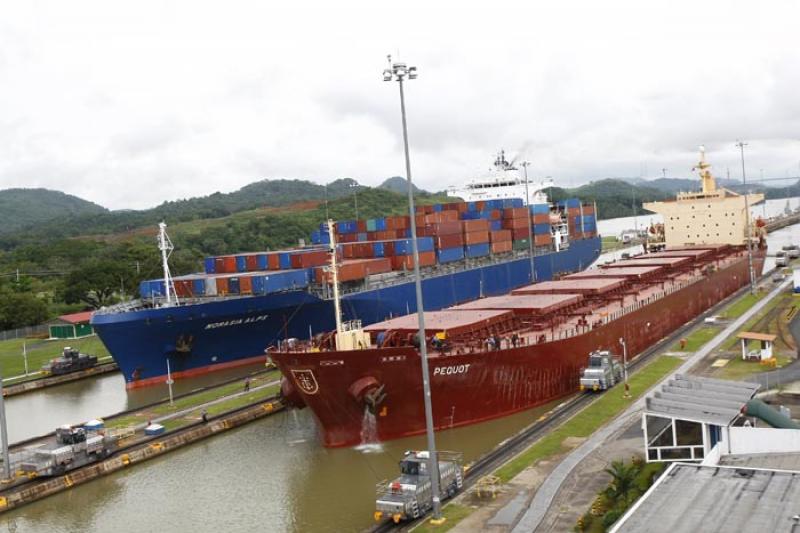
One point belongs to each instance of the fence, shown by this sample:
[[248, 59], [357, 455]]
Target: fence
[[21, 333]]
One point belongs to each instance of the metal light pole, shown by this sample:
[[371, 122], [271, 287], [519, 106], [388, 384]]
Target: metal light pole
[[399, 71], [25, 356], [524, 165], [4, 434], [170, 381], [741, 146], [627, 393]]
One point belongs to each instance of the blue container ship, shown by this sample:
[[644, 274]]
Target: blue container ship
[[217, 319]]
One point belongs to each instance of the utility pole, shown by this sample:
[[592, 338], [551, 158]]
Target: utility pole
[[399, 71], [354, 186], [627, 393], [524, 165], [741, 146], [664, 172]]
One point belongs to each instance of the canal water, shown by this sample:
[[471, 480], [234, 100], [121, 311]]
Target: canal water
[[272, 475]]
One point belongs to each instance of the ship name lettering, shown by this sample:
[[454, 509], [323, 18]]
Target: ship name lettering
[[450, 370], [236, 322]]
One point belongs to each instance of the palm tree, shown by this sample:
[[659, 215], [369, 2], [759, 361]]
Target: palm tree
[[623, 479]]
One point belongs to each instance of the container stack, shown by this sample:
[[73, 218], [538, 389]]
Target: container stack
[[446, 233]]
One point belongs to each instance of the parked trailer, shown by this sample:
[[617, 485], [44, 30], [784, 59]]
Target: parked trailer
[[410, 496]]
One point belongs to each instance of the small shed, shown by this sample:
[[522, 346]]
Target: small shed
[[72, 326], [766, 341]]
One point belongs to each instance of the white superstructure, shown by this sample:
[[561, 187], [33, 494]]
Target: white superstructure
[[503, 181]]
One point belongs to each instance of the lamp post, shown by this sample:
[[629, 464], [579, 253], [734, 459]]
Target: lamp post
[[627, 393], [524, 165], [399, 71], [741, 146]]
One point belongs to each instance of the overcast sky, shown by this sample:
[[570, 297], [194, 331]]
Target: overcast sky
[[129, 104]]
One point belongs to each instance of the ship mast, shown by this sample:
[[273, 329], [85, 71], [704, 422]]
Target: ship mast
[[337, 308], [709, 183], [166, 247]]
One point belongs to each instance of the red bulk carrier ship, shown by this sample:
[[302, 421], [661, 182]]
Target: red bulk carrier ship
[[545, 331]]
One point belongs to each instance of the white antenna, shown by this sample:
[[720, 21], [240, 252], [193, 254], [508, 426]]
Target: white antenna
[[166, 247], [335, 273]]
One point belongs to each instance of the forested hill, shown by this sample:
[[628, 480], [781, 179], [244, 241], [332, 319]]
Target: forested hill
[[615, 198], [24, 207]]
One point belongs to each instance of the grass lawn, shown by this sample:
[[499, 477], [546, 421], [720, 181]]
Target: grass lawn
[[738, 369], [590, 419], [453, 512], [697, 339], [738, 308], [41, 351]]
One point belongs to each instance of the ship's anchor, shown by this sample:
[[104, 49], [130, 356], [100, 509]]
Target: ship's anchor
[[370, 391], [374, 398]]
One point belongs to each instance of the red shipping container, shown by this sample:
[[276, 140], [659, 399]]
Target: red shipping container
[[475, 225], [514, 223], [588, 209], [449, 227], [219, 265], [361, 225], [501, 247], [476, 237], [542, 240], [245, 285], [273, 262], [480, 205], [496, 214], [309, 259], [229, 264], [448, 241], [515, 212], [252, 262], [348, 250], [519, 234], [378, 265], [401, 223], [541, 218], [222, 286], [574, 211], [407, 261], [503, 235], [183, 288]]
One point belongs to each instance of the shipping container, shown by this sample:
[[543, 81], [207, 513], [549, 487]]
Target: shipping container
[[406, 262], [542, 240], [284, 280], [245, 284], [234, 285], [476, 237], [519, 234], [513, 202], [274, 261], [228, 264], [515, 223], [241, 263], [588, 209], [476, 250], [405, 246], [308, 259], [541, 229], [541, 219], [520, 244], [211, 286], [183, 288], [361, 226], [222, 286], [476, 225], [500, 247], [539, 209], [449, 241], [447, 255], [210, 264], [199, 286], [495, 225], [378, 249], [252, 262], [500, 236], [515, 212]]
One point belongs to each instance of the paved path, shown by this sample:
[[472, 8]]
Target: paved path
[[547, 492]]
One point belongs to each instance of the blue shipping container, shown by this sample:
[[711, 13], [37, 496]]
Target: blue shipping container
[[405, 246], [541, 229], [495, 225], [261, 261], [437, 208], [513, 202], [285, 260], [378, 249], [233, 285], [446, 255], [539, 209], [470, 215], [241, 263], [211, 265], [199, 286], [477, 250], [471, 206]]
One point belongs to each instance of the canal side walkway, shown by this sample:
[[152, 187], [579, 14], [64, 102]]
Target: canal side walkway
[[549, 489]]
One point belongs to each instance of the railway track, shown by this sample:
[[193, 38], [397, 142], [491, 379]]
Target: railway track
[[514, 445]]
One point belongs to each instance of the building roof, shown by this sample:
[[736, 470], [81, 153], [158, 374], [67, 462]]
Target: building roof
[[692, 497], [753, 336], [773, 461], [526, 303], [77, 318], [713, 401]]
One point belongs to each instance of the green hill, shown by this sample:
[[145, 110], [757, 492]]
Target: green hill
[[24, 207], [614, 198], [399, 185]]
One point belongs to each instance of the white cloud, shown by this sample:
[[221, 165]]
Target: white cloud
[[129, 105]]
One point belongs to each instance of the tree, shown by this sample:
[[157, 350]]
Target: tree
[[623, 479], [20, 309], [94, 283]]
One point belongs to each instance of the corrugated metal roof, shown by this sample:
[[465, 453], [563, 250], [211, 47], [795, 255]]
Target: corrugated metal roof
[[713, 401], [690, 497], [752, 336], [77, 318]]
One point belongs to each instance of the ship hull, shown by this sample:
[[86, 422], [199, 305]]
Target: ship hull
[[224, 333], [470, 388]]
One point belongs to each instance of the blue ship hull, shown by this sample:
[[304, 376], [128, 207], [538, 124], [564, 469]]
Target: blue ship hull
[[212, 335]]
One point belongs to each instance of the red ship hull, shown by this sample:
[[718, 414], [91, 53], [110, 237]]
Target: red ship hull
[[474, 387]]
